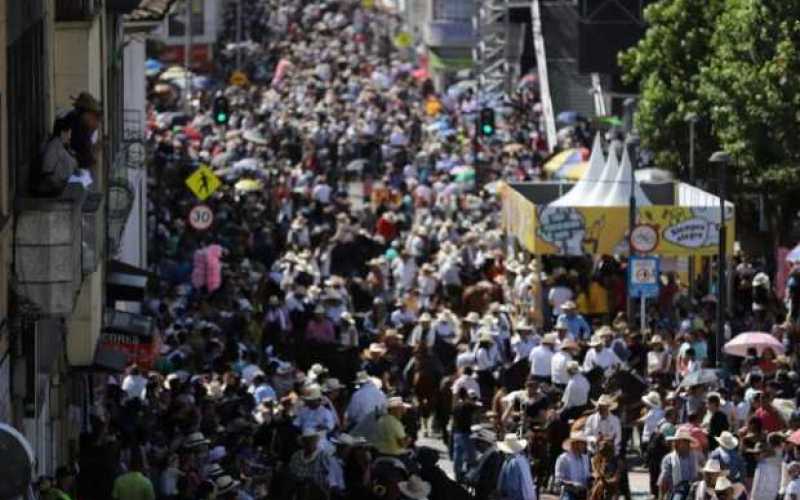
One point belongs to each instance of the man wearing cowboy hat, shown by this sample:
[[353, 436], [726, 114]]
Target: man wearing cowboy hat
[[572, 470], [366, 400], [702, 489], [515, 481], [600, 355], [558, 367], [483, 476], [541, 359], [575, 323], [313, 415], [727, 453], [653, 417], [487, 360], [390, 435], [414, 489], [310, 466], [602, 424], [678, 468], [576, 393], [423, 332]]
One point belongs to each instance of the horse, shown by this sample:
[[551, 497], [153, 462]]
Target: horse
[[423, 374], [477, 297]]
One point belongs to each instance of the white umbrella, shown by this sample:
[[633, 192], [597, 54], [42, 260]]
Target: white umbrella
[[759, 341], [793, 255]]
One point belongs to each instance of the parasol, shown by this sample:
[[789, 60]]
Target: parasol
[[759, 341], [248, 185], [570, 164]]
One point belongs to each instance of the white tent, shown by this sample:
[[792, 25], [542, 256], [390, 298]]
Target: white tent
[[580, 192], [619, 193]]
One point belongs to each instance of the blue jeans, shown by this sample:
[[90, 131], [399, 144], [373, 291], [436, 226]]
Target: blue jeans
[[463, 453]]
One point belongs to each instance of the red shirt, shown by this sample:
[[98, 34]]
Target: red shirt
[[770, 420]]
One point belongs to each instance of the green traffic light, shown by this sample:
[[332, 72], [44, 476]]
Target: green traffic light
[[222, 117], [488, 130]]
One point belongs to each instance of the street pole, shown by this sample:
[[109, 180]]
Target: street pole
[[692, 118], [630, 105], [187, 57], [238, 35], [722, 159]]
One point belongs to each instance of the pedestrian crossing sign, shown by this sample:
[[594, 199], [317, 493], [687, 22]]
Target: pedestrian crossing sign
[[203, 182]]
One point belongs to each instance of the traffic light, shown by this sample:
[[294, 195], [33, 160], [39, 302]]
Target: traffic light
[[222, 110], [486, 122]]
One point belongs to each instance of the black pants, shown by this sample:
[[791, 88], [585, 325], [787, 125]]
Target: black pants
[[486, 383]]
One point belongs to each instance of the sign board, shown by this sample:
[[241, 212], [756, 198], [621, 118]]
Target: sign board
[[403, 40], [203, 182], [201, 217], [644, 238], [643, 276], [239, 79]]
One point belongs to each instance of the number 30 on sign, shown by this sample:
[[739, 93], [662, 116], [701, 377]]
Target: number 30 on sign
[[201, 217]]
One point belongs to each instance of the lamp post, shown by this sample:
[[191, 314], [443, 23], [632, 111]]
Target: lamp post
[[722, 160], [691, 119], [631, 144]]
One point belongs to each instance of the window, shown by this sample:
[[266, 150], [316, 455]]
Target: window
[[453, 10], [177, 20]]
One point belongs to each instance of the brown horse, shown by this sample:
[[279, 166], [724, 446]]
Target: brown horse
[[476, 298], [423, 374]]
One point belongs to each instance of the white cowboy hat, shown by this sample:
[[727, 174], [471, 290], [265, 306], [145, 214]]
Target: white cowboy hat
[[397, 402], [712, 466], [377, 348], [568, 306], [225, 484], [573, 437], [723, 484], [511, 444], [656, 339], [472, 317], [425, 318], [596, 341], [605, 331], [485, 337], [550, 339], [484, 435], [682, 435], [652, 399], [415, 488], [605, 400], [313, 392], [727, 440], [573, 366], [569, 344]]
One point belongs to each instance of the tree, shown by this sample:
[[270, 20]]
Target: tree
[[752, 82], [667, 64]]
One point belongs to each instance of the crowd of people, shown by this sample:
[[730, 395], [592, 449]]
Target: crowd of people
[[357, 296]]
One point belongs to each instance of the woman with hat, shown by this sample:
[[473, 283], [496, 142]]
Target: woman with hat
[[572, 470], [515, 481], [679, 467]]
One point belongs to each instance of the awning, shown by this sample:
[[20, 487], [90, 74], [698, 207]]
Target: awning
[[126, 338], [125, 282], [448, 61]]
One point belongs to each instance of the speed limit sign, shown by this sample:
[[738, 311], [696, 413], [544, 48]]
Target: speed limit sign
[[201, 217]]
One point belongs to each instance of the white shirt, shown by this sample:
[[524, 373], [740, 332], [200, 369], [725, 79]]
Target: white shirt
[[487, 359], [657, 362], [364, 401], [405, 273], [135, 386], [468, 383], [541, 359], [651, 421], [793, 489], [609, 427], [577, 391], [557, 296], [558, 367], [522, 347], [604, 359]]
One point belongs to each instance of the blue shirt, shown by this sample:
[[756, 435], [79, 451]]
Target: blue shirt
[[576, 326], [515, 481], [732, 461]]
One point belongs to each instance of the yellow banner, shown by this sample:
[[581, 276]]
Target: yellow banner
[[673, 231]]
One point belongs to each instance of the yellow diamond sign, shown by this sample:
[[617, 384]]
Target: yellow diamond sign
[[403, 40], [203, 182], [239, 79]]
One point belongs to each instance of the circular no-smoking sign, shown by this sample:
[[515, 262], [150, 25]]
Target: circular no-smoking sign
[[644, 238], [201, 217]]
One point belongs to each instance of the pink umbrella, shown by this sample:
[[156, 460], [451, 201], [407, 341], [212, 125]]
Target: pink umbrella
[[794, 438], [759, 341]]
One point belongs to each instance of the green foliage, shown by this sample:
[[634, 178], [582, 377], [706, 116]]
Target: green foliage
[[736, 64]]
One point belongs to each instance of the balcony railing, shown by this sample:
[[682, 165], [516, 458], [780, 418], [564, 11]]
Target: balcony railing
[[76, 10]]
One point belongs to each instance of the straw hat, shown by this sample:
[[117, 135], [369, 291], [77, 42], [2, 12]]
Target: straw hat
[[569, 345], [713, 467], [425, 317], [568, 306], [225, 484], [605, 400], [574, 437], [332, 384], [724, 484], [656, 339], [596, 341], [377, 348], [415, 488], [727, 440], [511, 444], [523, 326], [652, 399], [573, 367], [313, 392], [397, 402], [550, 339], [682, 435], [485, 337], [604, 332]]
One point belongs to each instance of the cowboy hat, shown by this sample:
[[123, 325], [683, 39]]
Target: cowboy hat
[[523, 326], [214, 471], [569, 344], [550, 339], [484, 435], [652, 399], [313, 392], [683, 435], [511, 444], [397, 402], [573, 366], [332, 384], [196, 439], [713, 467], [656, 339], [225, 484], [605, 331], [568, 306], [727, 440], [376, 348], [717, 395], [724, 484], [425, 317], [596, 341], [308, 432], [574, 437], [415, 488], [605, 400]]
